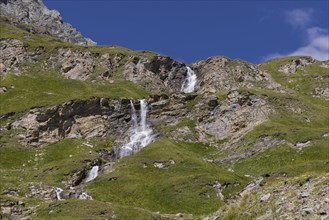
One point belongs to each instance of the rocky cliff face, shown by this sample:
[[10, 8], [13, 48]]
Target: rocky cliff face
[[35, 13], [220, 73], [73, 119], [13, 53]]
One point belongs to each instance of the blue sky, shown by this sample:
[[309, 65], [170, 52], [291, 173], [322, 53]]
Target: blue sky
[[193, 30]]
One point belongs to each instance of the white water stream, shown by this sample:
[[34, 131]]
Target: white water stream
[[141, 134], [92, 174], [58, 192], [190, 81]]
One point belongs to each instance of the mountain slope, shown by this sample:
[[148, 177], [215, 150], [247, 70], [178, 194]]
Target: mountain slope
[[248, 140], [36, 14]]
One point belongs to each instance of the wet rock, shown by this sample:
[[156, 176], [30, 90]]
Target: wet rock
[[76, 178]]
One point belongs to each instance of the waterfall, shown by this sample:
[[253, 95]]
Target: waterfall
[[140, 133], [133, 115], [92, 174], [58, 192], [189, 82]]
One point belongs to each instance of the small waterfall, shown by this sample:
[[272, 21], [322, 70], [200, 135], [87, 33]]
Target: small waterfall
[[85, 196], [141, 133], [133, 115], [190, 81], [92, 174], [58, 192]]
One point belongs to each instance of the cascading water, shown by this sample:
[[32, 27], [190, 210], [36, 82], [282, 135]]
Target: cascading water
[[58, 192], [92, 174], [190, 81], [141, 134]]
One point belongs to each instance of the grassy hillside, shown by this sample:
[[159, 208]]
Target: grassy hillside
[[39, 87], [168, 176], [49, 88], [184, 185]]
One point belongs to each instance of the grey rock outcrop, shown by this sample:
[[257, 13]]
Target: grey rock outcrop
[[235, 116], [16, 57], [210, 120], [296, 64], [42, 191], [260, 145], [324, 64], [221, 73], [158, 74], [13, 53], [74, 119], [72, 64], [79, 64], [294, 198], [35, 13], [321, 93]]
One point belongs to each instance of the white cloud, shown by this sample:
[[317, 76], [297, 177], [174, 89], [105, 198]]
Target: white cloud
[[316, 47], [317, 44], [299, 18]]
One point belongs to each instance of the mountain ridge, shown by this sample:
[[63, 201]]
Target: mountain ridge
[[35, 13]]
